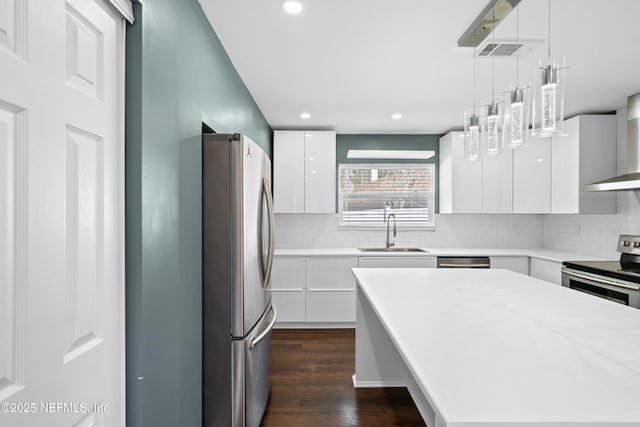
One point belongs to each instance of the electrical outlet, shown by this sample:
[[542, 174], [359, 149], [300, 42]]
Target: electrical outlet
[[576, 230]]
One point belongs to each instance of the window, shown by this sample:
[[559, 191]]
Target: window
[[369, 193]]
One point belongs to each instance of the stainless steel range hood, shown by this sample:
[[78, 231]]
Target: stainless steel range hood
[[630, 180]]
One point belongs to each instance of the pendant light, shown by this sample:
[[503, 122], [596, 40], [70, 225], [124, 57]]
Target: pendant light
[[548, 100], [516, 112], [491, 119], [472, 129]]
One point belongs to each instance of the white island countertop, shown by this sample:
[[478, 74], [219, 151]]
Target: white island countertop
[[496, 348]]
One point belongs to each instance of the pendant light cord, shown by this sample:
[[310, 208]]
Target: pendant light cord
[[517, 44], [493, 57], [549, 34], [474, 78]]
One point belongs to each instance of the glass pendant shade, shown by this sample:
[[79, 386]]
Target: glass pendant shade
[[472, 134], [548, 99], [491, 123], [516, 114]]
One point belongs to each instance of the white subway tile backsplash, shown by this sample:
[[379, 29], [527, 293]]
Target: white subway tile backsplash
[[476, 231]]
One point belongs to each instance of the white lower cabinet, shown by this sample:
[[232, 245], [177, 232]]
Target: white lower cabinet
[[398, 262], [331, 306], [519, 264], [308, 290], [288, 288], [546, 270], [320, 290], [331, 287]]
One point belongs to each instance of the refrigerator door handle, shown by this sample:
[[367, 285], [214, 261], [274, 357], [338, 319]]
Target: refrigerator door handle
[[260, 337], [266, 191]]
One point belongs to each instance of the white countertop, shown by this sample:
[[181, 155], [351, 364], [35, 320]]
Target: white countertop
[[490, 347], [541, 253]]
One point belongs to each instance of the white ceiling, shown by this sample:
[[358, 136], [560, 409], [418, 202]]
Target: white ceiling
[[353, 63]]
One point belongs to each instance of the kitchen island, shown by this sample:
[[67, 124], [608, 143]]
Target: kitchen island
[[493, 347]]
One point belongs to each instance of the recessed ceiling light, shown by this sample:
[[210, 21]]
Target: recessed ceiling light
[[305, 116], [292, 6], [396, 116]]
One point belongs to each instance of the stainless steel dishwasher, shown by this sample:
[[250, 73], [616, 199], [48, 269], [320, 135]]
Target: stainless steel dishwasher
[[464, 262]]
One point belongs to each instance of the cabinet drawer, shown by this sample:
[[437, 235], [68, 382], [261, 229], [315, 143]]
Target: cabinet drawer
[[398, 262], [331, 306], [288, 273], [546, 270], [519, 264], [289, 304], [331, 273]]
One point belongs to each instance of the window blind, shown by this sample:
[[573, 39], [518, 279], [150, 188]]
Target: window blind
[[370, 193]]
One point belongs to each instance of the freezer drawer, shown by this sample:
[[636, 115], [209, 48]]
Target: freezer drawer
[[251, 372]]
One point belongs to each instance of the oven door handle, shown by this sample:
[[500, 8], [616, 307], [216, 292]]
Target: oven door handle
[[598, 280]]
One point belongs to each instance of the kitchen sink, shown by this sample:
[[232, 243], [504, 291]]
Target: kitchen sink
[[391, 250]]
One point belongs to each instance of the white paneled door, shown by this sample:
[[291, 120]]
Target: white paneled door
[[61, 213]]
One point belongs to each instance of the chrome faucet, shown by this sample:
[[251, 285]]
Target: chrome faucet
[[389, 244]]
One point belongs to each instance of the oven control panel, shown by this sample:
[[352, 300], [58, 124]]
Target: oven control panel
[[629, 244]]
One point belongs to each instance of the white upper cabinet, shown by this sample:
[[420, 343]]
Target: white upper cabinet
[[483, 186], [585, 155], [288, 171], [460, 179], [304, 171], [320, 171], [497, 183], [532, 177]]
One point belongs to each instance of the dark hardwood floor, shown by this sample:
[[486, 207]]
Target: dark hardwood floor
[[311, 385]]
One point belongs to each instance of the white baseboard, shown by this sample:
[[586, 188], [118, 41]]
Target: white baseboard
[[376, 384], [314, 325]]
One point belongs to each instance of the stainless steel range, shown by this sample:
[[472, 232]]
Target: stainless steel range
[[617, 281]]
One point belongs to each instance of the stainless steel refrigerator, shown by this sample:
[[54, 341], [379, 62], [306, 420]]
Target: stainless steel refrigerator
[[237, 255]]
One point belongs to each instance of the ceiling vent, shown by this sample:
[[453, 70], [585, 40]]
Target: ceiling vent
[[507, 48]]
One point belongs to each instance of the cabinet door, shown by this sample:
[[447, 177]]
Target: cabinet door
[[532, 177], [288, 288], [585, 155], [331, 273], [290, 304], [331, 289], [598, 161], [398, 262], [288, 171], [497, 183], [565, 169], [546, 270], [460, 179], [320, 171], [331, 306], [519, 264]]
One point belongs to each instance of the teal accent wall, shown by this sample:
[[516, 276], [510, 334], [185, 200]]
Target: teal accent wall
[[345, 142], [178, 76]]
